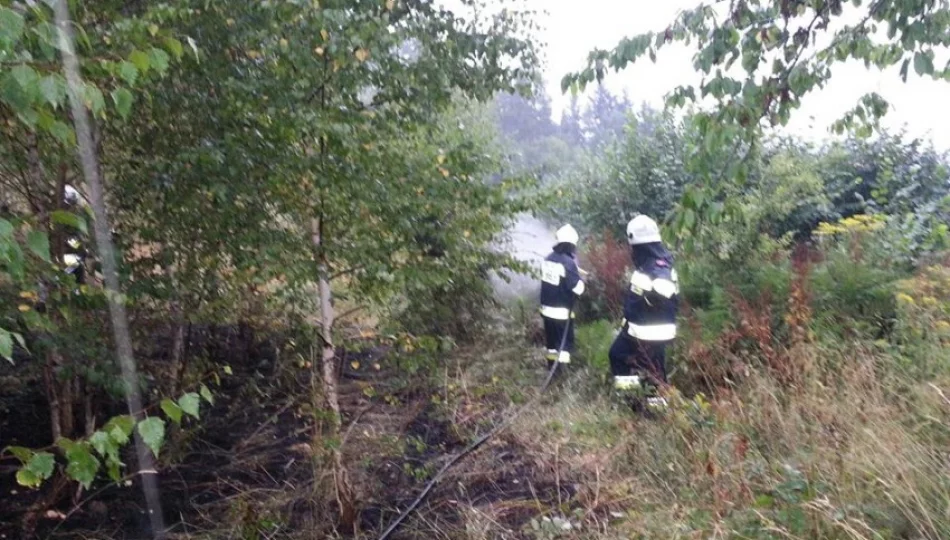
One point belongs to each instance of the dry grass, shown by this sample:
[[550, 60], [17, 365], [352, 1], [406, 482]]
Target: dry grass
[[847, 447], [854, 456]]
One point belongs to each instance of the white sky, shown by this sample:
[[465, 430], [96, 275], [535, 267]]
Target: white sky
[[572, 28]]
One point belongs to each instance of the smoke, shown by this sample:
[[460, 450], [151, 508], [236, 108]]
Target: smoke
[[529, 240]]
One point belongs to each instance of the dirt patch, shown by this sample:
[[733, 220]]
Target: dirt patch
[[255, 464], [500, 480]]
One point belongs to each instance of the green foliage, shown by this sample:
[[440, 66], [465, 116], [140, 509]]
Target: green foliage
[[643, 172], [190, 403], [172, 410], [152, 430], [82, 465], [336, 141], [85, 458], [310, 155], [6, 345], [759, 59], [922, 323], [593, 343], [35, 90], [36, 466]]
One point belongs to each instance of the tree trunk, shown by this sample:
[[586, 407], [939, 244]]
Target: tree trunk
[[59, 393], [177, 367], [52, 395], [89, 413], [330, 380], [178, 362], [67, 401], [88, 148]]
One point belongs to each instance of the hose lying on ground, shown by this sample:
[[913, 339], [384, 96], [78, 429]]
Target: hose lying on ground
[[481, 440]]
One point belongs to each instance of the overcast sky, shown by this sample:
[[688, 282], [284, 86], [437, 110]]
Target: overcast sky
[[573, 27]]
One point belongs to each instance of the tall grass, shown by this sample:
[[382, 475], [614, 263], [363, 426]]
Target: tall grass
[[853, 457], [812, 405]]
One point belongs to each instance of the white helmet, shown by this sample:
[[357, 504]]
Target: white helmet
[[72, 196], [642, 230], [566, 234]]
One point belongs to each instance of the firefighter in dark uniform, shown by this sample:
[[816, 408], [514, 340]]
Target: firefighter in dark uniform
[[75, 253], [560, 283], [638, 354]]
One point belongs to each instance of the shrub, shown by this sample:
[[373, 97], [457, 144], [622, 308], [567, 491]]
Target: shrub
[[593, 342], [458, 309], [922, 327], [854, 283], [608, 261]]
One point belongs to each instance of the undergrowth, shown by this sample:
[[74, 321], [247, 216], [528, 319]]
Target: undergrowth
[[806, 407], [812, 403]]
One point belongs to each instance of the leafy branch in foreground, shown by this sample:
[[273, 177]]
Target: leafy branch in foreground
[[84, 458], [759, 59]]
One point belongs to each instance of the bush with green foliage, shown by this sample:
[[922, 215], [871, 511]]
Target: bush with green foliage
[[593, 341]]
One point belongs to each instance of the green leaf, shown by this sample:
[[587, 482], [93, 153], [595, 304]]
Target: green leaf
[[128, 72], [904, 67], [62, 217], [120, 428], [28, 80], [689, 219], [42, 465], [81, 464], [190, 403], [113, 468], [11, 26], [45, 120], [93, 99], [38, 242], [29, 117], [103, 443], [175, 47], [152, 430], [141, 60], [6, 345], [206, 395], [27, 479], [13, 94], [158, 59], [62, 132], [566, 82], [923, 63], [49, 40], [53, 89], [171, 410], [123, 101], [21, 453]]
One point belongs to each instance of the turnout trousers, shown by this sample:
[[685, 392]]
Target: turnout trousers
[[553, 332], [631, 356]]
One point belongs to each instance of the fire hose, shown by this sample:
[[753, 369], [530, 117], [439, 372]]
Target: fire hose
[[481, 440]]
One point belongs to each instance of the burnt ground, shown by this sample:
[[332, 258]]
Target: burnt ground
[[256, 464]]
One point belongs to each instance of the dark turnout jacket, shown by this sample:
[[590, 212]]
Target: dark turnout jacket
[[652, 301], [560, 283]]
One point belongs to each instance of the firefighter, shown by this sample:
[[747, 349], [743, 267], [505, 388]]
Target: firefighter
[[561, 282], [75, 253], [638, 354]]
